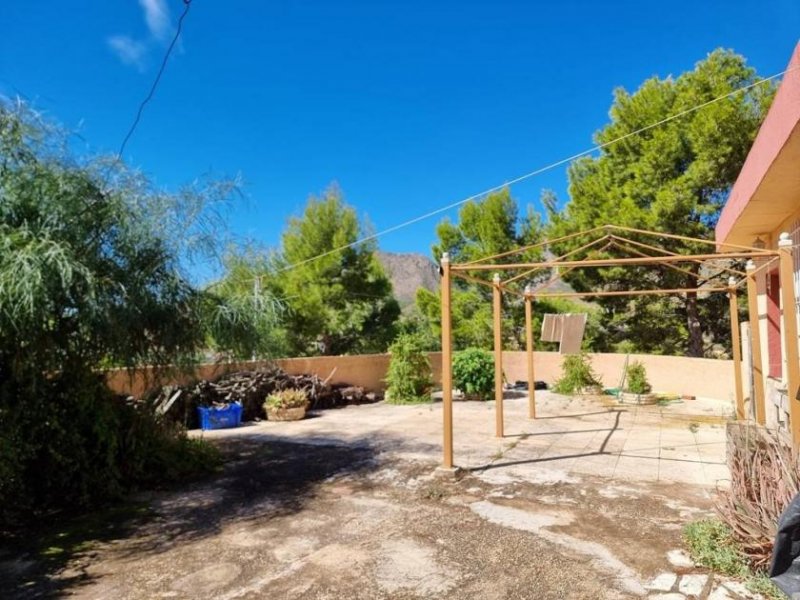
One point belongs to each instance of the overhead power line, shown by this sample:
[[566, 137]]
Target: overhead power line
[[538, 171], [186, 5]]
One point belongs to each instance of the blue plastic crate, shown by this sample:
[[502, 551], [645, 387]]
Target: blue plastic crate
[[220, 418]]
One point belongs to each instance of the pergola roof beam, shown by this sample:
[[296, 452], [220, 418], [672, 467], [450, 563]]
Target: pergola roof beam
[[562, 257], [652, 260], [552, 280], [682, 238], [663, 251], [608, 228], [656, 292], [488, 284], [537, 245], [638, 253]]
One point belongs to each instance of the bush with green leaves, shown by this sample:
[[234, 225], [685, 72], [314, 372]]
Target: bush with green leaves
[[73, 445], [473, 373], [712, 544], [577, 375], [409, 380], [636, 379]]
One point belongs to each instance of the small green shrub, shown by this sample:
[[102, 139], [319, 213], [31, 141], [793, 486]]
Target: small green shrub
[[289, 398], [711, 545], [473, 373], [409, 378], [576, 375], [636, 379], [156, 451], [760, 583]]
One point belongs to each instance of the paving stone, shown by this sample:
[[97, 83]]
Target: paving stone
[[692, 585], [740, 589], [662, 582], [720, 593], [680, 559]]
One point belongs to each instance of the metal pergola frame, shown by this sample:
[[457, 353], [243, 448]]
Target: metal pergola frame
[[613, 238]]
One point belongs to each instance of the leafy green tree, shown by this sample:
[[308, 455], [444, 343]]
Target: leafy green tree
[[413, 322], [81, 277], [673, 178], [485, 227], [90, 274], [338, 296], [470, 314], [488, 227], [252, 296]]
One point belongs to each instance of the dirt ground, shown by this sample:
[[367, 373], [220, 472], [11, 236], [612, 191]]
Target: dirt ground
[[307, 516]]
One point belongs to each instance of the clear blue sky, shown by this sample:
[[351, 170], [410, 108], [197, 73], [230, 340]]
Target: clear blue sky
[[407, 105]]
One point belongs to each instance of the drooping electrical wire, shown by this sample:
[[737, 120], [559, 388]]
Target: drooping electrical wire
[[186, 5]]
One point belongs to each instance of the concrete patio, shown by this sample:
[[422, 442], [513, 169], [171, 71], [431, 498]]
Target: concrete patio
[[682, 442]]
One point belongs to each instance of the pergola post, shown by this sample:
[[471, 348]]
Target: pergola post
[[755, 340], [789, 302], [447, 366], [497, 299], [529, 351], [737, 351]]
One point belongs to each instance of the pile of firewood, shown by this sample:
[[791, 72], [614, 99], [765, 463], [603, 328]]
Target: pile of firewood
[[250, 388]]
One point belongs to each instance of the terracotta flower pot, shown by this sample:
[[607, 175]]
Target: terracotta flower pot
[[286, 414]]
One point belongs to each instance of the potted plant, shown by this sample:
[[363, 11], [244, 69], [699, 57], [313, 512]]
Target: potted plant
[[577, 376], [637, 389], [286, 405]]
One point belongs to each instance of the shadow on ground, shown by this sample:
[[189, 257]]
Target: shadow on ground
[[601, 449], [259, 481]]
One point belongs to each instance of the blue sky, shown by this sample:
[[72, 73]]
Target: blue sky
[[408, 106]]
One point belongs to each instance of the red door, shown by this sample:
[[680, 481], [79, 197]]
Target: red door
[[774, 325]]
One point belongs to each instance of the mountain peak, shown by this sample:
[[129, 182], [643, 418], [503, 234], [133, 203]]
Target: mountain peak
[[408, 272]]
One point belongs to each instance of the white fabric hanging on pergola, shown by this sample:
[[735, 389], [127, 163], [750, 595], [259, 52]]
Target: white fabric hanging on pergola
[[567, 329]]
